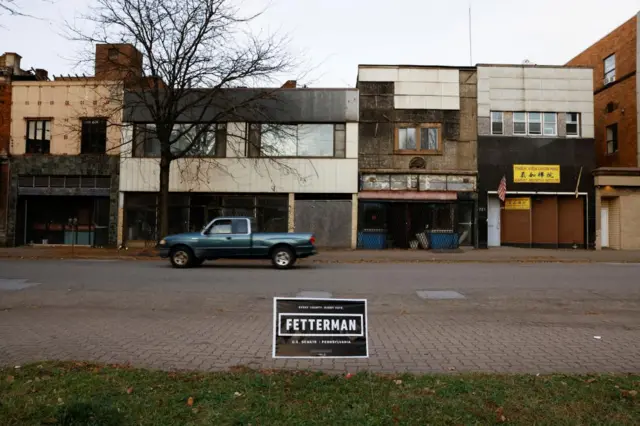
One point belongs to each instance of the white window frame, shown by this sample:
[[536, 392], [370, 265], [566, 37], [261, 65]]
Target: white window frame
[[555, 124], [501, 122], [526, 123], [577, 123], [529, 121]]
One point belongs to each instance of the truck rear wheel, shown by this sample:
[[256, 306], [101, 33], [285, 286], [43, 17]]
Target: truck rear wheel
[[283, 257], [182, 257]]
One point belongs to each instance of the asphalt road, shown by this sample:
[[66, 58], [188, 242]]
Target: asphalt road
[[511, 317]]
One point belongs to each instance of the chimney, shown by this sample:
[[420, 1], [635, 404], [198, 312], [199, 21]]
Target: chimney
[[42, 75], [290, 84], [12, 60]]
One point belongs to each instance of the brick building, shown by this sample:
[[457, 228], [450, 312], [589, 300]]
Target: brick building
[[65, 136], [616, 95], [10, 71], [417, 156]]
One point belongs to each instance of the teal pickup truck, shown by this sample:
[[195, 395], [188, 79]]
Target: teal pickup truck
[[232, 238]]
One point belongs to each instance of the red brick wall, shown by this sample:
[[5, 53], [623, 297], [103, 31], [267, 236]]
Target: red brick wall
[[5, 137], [128, 65], [622, 42]]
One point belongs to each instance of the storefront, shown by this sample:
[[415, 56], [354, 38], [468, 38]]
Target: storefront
[[618, 207], [538, 220], [191, 212], [536, 192], [409, 224], [63, 210]]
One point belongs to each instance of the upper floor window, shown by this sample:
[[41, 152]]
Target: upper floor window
[[612, 138], [297, 140], [38, 136], [94, 136], [497, 123], [418, 138], [550, 124], [573, 124], [519, 123], [187, 140], [610, 69]]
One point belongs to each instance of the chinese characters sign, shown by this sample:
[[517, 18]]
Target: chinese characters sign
[[517, 204], [320, 328], [525, 173]]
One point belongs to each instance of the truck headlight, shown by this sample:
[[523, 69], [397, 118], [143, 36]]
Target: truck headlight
[[163, 242]]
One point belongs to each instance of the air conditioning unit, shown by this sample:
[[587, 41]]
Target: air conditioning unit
[[609, 79]]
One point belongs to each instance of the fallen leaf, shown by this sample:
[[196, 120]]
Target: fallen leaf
[[500, 417], [631, 393], [428, 391], [46, 377], [452, 369], [60, 401], [17, 367], [190, 401], [397, 382], [563, 383], [590, 380], [236, 394], [37, 379], [10, 379], [50, 421], [194, 410], [130, 391]]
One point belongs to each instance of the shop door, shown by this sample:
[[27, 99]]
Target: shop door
[[604, 226], [493, 222]]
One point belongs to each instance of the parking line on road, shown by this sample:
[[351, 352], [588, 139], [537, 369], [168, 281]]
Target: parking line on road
[[314, 294], [439, 294]]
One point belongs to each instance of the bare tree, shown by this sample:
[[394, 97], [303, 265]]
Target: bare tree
[[195, 55]]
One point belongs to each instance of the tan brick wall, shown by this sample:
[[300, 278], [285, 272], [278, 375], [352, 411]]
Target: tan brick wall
[[630, 220], [64, 103], [621, 41]]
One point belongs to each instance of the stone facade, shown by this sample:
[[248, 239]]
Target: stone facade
[[378, 119], [72, 165]]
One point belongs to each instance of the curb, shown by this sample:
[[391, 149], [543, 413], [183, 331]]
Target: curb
[[345, 261]]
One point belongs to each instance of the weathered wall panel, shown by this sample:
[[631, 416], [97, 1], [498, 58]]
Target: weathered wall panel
[[329, 220]]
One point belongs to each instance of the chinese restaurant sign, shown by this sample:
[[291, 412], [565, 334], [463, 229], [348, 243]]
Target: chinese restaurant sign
[[524, 173], [319, 328], [517, 204]]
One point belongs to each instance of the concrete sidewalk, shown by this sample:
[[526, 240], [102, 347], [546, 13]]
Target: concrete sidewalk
[[493, 255]]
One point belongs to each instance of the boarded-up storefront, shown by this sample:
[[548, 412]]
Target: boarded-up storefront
[[544, 221]]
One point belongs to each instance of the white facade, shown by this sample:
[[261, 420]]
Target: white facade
[[417, 87], [537, 89], [237, 173]]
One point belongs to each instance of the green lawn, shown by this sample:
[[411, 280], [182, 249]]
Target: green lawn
[[83, 394]]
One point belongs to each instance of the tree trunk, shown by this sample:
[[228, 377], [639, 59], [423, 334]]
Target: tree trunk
[[163, 199]]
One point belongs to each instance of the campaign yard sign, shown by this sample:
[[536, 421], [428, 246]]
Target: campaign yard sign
[[319, 328]]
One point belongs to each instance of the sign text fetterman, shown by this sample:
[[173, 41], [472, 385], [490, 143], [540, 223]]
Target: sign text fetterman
[[325, 328]]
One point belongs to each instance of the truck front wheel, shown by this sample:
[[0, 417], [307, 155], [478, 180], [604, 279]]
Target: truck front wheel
[[283, 257], [182, 257]]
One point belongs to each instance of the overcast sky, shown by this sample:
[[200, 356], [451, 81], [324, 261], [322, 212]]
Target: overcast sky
[[337, 35]]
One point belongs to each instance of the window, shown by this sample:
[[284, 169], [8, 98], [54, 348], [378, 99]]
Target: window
[[612, 139], [239, 226], [296, 140], [573, 124], [200, 140], [610, 69], [418, 138], [497, 123], [519, 123], [94, 136], [535, 123], [38, 136], [222, 226], [550, 124]]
